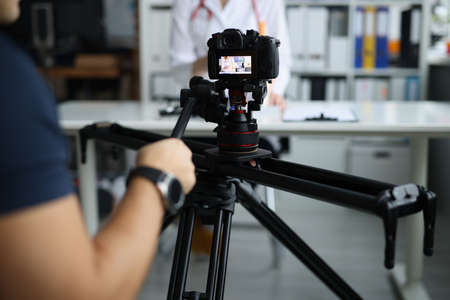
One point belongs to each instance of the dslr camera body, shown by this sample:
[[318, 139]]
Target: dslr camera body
[[234, 55], [240, 64]]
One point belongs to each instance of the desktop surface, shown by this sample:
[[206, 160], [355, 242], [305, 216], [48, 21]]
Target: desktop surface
[[374, 117]]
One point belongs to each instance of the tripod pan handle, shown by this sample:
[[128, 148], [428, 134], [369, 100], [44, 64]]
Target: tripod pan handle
[[183, 119]]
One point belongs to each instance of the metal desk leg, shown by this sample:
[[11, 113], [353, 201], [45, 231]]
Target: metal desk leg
[[408, 277], [87, 176], [277, 247]]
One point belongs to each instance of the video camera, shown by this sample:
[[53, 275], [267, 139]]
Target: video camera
[[242, 63], [234, 55]]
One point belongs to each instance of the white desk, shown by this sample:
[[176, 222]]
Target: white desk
[[416, 120]]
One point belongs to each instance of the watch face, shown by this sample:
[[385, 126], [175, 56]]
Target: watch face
[[175, 195]]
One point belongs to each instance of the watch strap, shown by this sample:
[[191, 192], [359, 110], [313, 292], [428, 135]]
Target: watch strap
[[164, 182], [152, 174]]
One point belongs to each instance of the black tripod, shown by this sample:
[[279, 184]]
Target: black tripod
[[220, 185], [213, 199]]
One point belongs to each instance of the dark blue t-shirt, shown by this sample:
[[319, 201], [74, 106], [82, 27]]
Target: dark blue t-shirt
[[32, 147]]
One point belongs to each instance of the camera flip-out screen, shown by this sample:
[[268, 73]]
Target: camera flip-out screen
[[235, 65]]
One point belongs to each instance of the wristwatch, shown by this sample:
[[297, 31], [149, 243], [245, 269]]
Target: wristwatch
[[168, 185]]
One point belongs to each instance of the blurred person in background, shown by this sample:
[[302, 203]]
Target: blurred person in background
[[194, 22]]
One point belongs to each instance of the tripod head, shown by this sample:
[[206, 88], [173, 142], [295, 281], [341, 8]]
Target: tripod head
[[237, 130]]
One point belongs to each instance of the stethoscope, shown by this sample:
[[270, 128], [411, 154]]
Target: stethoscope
[[261, 24]]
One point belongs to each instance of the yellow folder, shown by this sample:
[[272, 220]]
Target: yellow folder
[[369, 38]]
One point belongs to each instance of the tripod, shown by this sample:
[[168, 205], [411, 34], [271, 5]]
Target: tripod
[[213, 199], [222, 171], [220, 186]]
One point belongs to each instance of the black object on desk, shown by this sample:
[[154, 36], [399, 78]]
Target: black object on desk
[[319, 113], [322, 117]]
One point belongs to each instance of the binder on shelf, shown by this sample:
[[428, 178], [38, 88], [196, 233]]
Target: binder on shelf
[[338, 40], [359, 32], [382, 48], [296, 17], [394, 34], [292, 90], [318, 88], [364, 89], [342, 90], [306, 89], [337, 53], [397, 89], [412, 88], [369, 38], [410, 37], [330, 89], [316, 40], [381, 89], [338, 21]]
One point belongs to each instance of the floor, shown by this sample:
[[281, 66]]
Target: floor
[[350, 241]]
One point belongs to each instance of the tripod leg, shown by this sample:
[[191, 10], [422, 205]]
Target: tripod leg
[[168, 219], [214, 256], [176, 256], [181, 256], [295, 244], [224, 254]]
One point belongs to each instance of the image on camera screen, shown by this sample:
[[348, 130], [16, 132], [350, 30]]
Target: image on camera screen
[[235, 65]]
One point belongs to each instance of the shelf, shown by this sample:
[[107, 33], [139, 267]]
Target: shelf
[[387, 2], [317, 2], [350, 2], [81, 73], [325, 72], [390, 72]]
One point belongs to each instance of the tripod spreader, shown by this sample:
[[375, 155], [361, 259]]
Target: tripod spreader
[[387, 201]]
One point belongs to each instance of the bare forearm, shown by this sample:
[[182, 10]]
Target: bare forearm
[[200, 66], [72, 265], [127, 244]]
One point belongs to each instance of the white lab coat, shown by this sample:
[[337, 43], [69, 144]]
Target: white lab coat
[[189, 37]]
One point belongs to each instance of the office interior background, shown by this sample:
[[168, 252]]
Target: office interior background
[[116, 50]]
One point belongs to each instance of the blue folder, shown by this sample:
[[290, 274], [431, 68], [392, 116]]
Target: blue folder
[[382, 50], [359, 31]]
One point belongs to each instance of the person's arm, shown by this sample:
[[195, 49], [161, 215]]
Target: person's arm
[[47, 253], [277, 27]]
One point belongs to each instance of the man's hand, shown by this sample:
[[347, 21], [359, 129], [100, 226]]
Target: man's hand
[[277, 100], [171, 156]]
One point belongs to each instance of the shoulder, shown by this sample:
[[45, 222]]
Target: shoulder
[[21, 86], [34, 155], [12, 58], [28, 105]]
